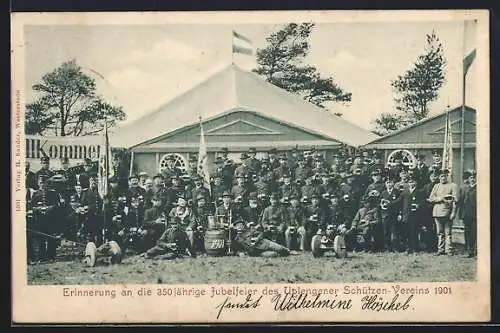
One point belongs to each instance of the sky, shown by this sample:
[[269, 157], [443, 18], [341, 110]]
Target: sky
[[145, 66]]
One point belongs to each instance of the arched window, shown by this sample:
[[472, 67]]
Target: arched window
[[179, 162]]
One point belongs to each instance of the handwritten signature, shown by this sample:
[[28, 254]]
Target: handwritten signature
[[248, 303]]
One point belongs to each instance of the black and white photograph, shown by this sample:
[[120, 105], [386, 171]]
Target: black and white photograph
[[294, 152]]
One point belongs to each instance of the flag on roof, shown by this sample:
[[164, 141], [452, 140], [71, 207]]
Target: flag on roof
[[242, 44]]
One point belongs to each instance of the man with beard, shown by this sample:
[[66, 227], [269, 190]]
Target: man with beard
[[148, 193], [282, 169], [136, 194], [273, 159], [240, 189], [186, 218], [404, 177], [201, 212], [390, 207], [309, 189], [115, 209], [468, 215]]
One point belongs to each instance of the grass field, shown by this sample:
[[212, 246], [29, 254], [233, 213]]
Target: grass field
[[302, 268]]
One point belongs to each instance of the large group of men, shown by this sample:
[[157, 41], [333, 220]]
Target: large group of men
[[276, 203]]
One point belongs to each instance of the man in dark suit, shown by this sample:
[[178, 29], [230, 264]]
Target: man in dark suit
[[468, 215], [31, 181], [412, 202]]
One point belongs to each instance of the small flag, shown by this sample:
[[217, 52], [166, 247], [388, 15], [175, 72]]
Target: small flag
[[469, 44], [242, 44], [203, 158], [447, 162]]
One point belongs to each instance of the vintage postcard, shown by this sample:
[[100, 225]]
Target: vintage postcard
[[263, 167]]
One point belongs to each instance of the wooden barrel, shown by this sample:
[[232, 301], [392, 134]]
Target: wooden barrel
[[216, 242]]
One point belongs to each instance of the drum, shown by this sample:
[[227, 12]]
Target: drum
[[216, 242]]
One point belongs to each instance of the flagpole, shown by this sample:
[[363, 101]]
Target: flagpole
[[232, 49], [209, 184], [462, 114]]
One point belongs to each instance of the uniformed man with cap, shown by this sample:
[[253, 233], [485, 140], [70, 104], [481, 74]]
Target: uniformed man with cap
[[377, 163], [240, 189], [422, 169], [273, 159], [170, 170], [287, 189], [302, 171], [253, 212], [228, 212], [186, 217], [443, 196], [253, 161], [172, 193], [202, 211], [430, 234], [200, 189], [136, 196], [218, 188], [390, 205], [404, 176], [45, 170], [143, 176], [317, 209], [94, 221], [244, 168], [296, 216], [173, 243], [468, 214], [115, 209], [273, 219], [377, 183], [45, 205], [412, 201], [309, 188], [154, 222], [365, 223]]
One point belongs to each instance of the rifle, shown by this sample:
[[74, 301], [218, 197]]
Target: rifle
[[229, 252]]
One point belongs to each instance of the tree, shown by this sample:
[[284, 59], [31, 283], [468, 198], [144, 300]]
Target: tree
[[68, 104], [281, 63], [417, 88]]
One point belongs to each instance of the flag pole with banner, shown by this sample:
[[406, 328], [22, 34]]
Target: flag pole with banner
[[447, 163], [104, 164], [469, 54], [203, 159]]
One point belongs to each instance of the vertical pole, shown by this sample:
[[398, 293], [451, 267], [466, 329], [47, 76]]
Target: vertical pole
[[131, 163], [462, 115]]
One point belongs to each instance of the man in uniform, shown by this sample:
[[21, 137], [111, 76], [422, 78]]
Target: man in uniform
[[170, 170], [172, 193], [404, 176], [377, 163], [273, 220], [253, 162], [136, 195], [302, 171], [428, 224], [94, 219], [253, 211], [154, 223], [422, 170], [228, 212], [412, 201], [218, 188], [186, 217], [273, 159], [45, 205], [200, 189], [468, 215], [201, 212], [377, 183], [31, 181], [83, 178], [443, 196], [287, 189], [295, 219], [309, 189], [252, 240], [244, 168], [45, 169], [116, 208], [365, 223], [240, 189], [390, 208], [173, 243]]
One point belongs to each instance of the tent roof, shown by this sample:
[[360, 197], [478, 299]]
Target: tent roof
[[235, 89], [419, 123]]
